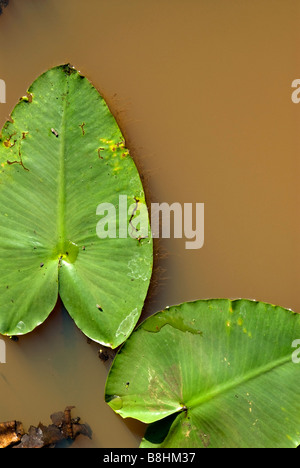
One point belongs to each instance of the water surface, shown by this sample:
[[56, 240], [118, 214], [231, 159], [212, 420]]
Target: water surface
[[202, 92]]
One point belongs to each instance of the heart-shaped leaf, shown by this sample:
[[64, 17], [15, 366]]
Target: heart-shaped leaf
[[215, 373], [61, 156]]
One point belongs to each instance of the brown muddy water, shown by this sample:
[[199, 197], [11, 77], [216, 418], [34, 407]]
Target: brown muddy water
[[202, 92]]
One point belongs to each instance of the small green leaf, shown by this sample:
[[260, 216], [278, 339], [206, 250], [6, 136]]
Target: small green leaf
[[215, 373], [61, 155]]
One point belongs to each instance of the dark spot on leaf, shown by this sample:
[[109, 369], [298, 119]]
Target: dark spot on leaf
[[99, 155], [82, 128], [18, 162], [68, 69], [205, 439]]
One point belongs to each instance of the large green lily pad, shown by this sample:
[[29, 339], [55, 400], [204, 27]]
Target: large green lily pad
[[61, 155], [214, 373]]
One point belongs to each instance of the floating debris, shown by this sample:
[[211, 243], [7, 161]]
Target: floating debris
[[3, 4], [63, 427], [10, 433]]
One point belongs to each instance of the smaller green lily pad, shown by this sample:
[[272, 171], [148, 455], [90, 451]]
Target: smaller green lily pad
[[214, 373]]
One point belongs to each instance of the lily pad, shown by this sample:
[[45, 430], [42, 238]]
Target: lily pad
[[62, 155], [212, 373]]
